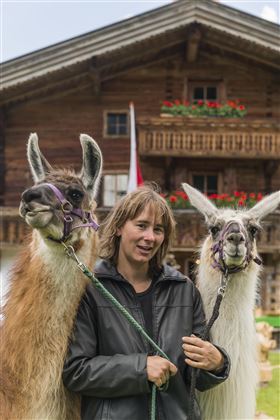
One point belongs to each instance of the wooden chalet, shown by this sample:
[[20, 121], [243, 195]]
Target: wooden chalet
[[186, 50]]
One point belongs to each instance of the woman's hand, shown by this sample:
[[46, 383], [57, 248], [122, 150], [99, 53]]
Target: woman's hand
[[159, 370], [202, 354]]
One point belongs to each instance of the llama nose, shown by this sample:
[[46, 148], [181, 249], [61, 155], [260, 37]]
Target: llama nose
[[235, 238], [31, 194]]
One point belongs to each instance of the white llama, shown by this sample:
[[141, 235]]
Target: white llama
[[46, 287], [231, 245]]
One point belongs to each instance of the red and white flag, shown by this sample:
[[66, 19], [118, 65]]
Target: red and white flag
[[135, 178]]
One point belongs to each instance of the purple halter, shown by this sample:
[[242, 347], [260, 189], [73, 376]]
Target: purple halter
[[68, 210], [217, 248]]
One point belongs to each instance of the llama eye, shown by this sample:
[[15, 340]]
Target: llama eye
[[76, 195], [253, 230], [214, 230]]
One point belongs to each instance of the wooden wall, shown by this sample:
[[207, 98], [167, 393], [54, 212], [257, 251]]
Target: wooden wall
[[59, 122]]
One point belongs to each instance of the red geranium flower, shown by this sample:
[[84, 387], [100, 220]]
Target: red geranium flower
[[172, 199], [167, 103], [181, 194]]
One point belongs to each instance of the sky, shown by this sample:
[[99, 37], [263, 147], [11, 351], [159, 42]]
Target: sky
[[29, 25]]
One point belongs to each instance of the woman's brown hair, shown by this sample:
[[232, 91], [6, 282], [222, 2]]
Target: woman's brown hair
[[128, 208]]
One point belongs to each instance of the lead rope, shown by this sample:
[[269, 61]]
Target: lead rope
[[205, 336], [71, 253]]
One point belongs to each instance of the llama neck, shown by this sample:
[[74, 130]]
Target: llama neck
[[45, 290]]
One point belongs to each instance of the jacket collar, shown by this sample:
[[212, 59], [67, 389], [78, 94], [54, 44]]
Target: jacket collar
[[105, 268]]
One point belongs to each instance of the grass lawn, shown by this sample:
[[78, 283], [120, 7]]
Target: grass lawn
[[274, 321], [268, 396]]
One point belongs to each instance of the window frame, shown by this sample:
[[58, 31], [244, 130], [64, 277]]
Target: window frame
[[219, 84], [105, 123], [205, 174], [102, 192]]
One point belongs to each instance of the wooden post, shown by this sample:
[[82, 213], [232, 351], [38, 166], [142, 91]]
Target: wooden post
[[2, 156]]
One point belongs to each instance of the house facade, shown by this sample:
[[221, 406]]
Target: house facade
[[188, 51]]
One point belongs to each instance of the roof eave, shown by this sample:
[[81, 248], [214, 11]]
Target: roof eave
[[136, 29]]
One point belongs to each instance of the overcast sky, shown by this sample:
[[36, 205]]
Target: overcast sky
[[27, 26]]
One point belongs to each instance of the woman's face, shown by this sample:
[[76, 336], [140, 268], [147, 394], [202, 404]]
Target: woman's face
[[140, 238]]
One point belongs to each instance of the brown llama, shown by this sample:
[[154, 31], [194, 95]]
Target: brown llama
[[46, 287]]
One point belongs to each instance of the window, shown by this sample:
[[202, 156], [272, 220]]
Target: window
[[206, 183], [206, 91], [114, 187], [116, 124]]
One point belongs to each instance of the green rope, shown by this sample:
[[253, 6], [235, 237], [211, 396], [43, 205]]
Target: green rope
[[71, 253]]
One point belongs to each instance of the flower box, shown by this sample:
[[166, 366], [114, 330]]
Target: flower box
[[239, 199], [231, 109]]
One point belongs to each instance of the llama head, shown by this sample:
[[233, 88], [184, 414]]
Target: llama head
[[61, 194], [231, 243]]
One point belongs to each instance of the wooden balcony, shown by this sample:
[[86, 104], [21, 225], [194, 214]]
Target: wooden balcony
[[209, 137]]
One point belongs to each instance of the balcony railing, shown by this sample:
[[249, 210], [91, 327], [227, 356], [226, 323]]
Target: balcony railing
[[209, 137]]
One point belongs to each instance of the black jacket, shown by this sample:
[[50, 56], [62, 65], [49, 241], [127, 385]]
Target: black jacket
[[106, 362]]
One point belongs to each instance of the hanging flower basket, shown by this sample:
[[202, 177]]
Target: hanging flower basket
[[239, 199], [232, 109]]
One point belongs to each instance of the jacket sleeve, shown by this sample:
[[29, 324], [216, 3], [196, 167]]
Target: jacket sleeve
[[206, 379], [88, 373]]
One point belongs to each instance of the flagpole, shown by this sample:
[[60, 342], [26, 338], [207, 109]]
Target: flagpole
[[132, 177]]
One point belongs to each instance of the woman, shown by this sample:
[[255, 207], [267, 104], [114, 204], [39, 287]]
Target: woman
[[109, 363]]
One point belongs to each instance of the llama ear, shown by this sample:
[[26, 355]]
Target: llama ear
[[265, 206], [38, 163], [199, 201], [92, 164]]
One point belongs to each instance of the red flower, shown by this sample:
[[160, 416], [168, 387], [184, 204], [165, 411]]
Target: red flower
[[259, 196], [237, 193], [252, 195], [213, 196], [181, 194], [200, 102], [186, 103], [241, 203], [167, 103], [177, 102], [172, 199], [241, 107]]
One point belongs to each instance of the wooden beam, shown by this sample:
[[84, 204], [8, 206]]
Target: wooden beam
[[2, 156], [94, 74], [193, 45], [269, 169], [44, 88], [246, 54], [145, 60], [51, 95]]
